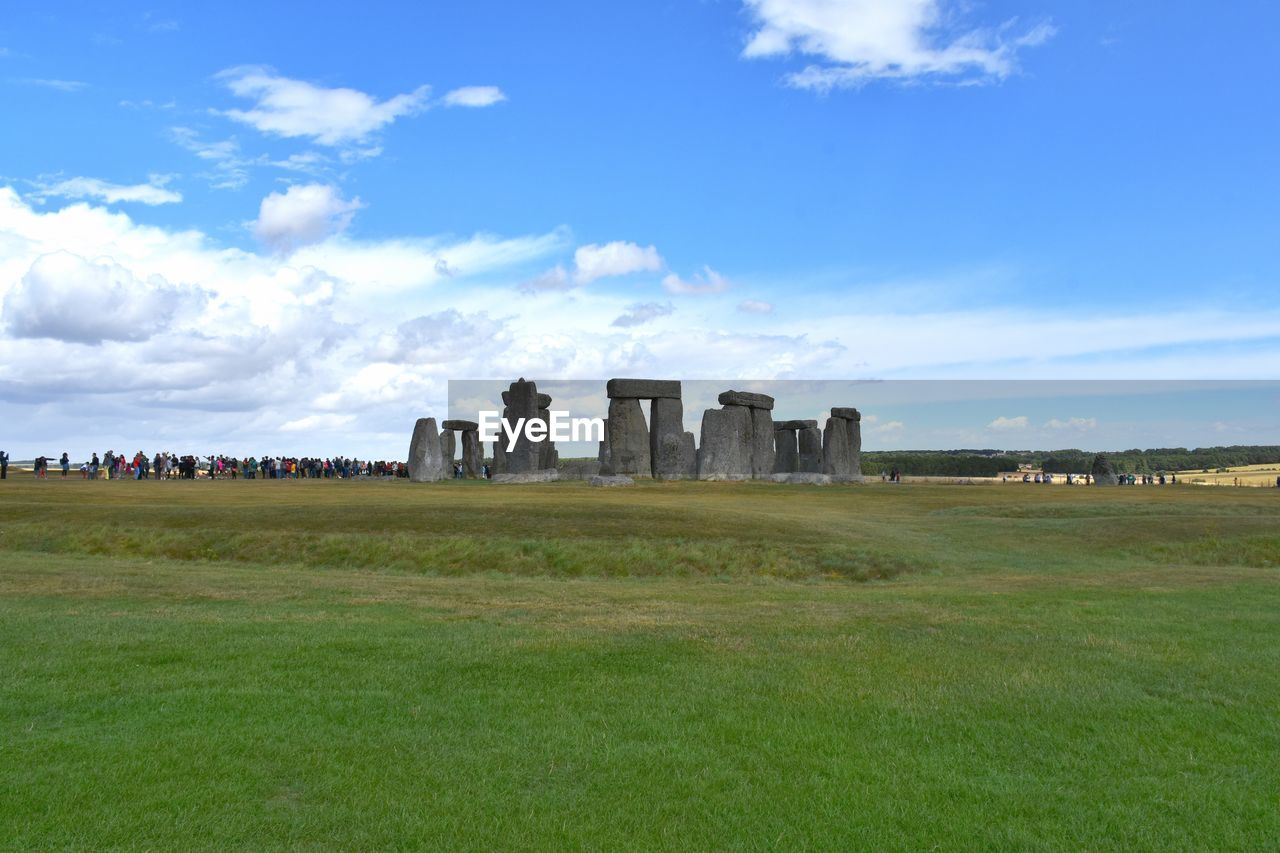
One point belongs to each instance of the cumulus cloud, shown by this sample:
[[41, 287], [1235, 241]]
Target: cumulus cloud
[[442, 337], [296, 108], [303, 214], [69, 298], [707, 281], [1003, 423], [153, 192], [861, 40], [596, 261], [755, 306], [642, 312], [474, 96]]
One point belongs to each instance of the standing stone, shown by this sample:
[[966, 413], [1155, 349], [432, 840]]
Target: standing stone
[[499, 456], [809, 444], [425, 459], [606, 465], [787, 458], [666, 439], [1104, 473], [725, 451], [836, 460], [628, 438], [762, 452], [523, 403], [854, 426], [447, 449], [689, 457], [471, 454]]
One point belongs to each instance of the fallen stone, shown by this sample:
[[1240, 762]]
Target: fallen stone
[[549, 475], [460, 426], [725, 450], [611, 480], [847, 413], [643, 389], [578, 469], [628, 438], [425, 459], [762, 452], [807, 478], [746, 398]]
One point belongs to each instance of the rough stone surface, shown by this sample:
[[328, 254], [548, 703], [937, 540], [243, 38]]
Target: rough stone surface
[[612, 480], [578, 469], [472, 456], [424, 452], [1104, 473], [666, 439], [460, 426], [643, 389], [544, 401], [847, 413], [795, 424], [725, 450], [628, 438], [809, 441], [803, 477], [746, 398], [762, 452], [603, 457], [526, 455], [499, 457], [787, 456], [447, 449], [836, 460], [854, 427], [548, 476]]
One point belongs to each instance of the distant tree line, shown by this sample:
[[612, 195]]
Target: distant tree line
[[991, 463]]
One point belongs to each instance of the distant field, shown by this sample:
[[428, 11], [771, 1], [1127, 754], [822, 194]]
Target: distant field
[[683, 665], [1244, 475]]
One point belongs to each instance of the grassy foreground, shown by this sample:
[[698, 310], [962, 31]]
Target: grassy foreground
[[673, 665]]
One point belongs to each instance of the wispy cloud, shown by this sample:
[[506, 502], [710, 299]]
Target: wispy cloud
[[154, 192], [755, 306], [705, 282], [474, 96], [642, 312], [57, 85]]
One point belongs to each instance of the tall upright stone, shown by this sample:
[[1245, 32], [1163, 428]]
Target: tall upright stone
[[522, 402], [762, 450], [854, 425], [809, 445], [787, 457], [499, 455], [472, 455], [628, 438], [667, 439], [725, 449], [425, 459], [836, 460], [1104, 473], [448, 450]]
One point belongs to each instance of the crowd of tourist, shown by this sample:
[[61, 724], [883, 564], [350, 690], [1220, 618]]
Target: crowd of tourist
[[171, 466]]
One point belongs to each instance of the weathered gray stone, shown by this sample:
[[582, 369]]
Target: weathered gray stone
[[725, 450], [809, 441], [460, 426], [1104, 473], [762, 452], [603, 456], [628, 438], [643, 389], [836, 460], [787, 456], [499, 457], [666, 439], [544, 401], [803, 478], [549, 475], [795, 424], [472, 456], [447, 453], [578, 469], [689, 457], [609, 481], [854, 427], [746, 398], [847, 413], [526, 456], [424, 452]]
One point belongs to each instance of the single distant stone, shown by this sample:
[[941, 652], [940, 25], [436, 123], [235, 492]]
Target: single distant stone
[[762, 451], [609, 481], [643, 389], [548, 475], [628, 437], [802, 478], [746, 398], [460, 426], [725, 450], [425, 459], [809, 440], [1104, 473], [847, 413], [666, 439]]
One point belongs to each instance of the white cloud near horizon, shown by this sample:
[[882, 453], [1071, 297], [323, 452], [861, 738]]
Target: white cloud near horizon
[[303, 214], [154, 192], [1003, 423], [856, 41]]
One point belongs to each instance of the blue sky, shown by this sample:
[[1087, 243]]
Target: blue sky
[[240, 225]]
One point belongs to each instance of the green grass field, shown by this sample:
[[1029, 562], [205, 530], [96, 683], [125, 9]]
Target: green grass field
[[680, 665]]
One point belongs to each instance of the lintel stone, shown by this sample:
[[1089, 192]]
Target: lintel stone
[[643, 389]]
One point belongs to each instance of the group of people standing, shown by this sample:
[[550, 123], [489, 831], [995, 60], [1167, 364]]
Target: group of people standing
[[171, 466]]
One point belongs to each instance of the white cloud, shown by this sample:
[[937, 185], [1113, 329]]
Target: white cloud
[[231, 167], [755, 306], [1003, 423], [153, 192], [68, 298], [641, 313], [856, 41], [596, 261], [1072, 424], [59, 85], [303, 214], [707, 281], [317, 423], [474, 96], [296, 108]]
